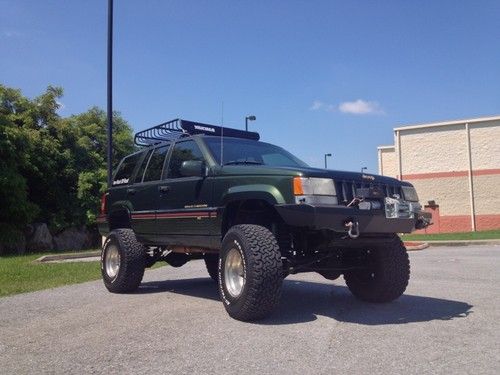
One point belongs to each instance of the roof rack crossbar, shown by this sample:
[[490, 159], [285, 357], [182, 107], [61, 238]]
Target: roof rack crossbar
[[174, 129]]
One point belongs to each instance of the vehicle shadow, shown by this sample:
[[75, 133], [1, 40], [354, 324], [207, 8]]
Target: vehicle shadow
[[304, 301]]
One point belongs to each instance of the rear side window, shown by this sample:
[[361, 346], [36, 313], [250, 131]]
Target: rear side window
[[126, 169], [183, 151], [142, 168], [155, 165]]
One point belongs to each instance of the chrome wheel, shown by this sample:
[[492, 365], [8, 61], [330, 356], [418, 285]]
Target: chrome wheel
[[112, 261], [234, 273]]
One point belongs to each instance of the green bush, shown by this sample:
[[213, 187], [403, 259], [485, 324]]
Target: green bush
[[52, 169]]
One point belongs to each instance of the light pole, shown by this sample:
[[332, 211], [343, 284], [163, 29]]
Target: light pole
[[109, 129], [363, 169], [327, 155], [249, 118]]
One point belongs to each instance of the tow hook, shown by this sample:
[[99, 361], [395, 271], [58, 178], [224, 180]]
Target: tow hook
[[353, 230]]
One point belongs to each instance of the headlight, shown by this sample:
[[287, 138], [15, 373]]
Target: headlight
[[313, 186], [409, 193]]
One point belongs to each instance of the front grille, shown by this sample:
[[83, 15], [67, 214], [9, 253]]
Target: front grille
[[346, 190]]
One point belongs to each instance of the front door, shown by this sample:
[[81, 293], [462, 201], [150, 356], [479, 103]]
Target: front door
[[184, 201]]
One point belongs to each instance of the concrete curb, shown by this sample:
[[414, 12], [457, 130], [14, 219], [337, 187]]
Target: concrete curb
[[415, 246], [70, 256], [464, 242]]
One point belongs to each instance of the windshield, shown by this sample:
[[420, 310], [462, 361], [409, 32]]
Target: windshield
[[244, 151]]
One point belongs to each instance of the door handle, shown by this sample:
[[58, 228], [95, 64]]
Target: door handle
[[164, 189], [131, 191]]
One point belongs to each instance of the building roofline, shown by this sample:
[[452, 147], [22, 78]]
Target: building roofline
[[447, 123], [385, 147]]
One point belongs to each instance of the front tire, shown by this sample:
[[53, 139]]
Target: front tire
[[123, 261], [386, 276], [250, 272]]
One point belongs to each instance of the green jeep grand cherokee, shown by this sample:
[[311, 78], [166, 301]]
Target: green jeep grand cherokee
[[255, 213]]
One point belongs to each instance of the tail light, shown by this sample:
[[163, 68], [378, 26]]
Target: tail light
[[104, 207]]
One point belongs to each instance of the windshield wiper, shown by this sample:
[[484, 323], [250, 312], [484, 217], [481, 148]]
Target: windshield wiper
[[234, 162]]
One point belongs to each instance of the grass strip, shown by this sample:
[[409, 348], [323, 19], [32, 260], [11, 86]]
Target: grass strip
[[20, 274], [462, 236]]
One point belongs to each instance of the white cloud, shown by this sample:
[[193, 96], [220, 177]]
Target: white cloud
[[360, 107], [318, 105]]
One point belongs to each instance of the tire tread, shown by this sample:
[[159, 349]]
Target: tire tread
[[132, 266], [393, 266], [264, 255]]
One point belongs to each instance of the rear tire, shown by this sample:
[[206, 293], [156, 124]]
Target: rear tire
[[212, 264], [250, 272], [123, 261], [387, 275]]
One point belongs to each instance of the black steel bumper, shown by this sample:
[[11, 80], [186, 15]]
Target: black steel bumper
[[335, 218]]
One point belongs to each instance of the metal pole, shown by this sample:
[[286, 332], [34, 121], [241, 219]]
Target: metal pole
[[110, 93], [246, 124]]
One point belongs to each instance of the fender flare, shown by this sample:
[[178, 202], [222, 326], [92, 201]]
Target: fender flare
[[267, 193]]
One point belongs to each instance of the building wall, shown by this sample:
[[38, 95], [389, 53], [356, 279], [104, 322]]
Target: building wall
[[430, 150], [485, 145], [388, 165], [436, 160]]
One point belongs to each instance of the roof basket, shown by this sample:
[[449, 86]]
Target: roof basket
[[178, 128]]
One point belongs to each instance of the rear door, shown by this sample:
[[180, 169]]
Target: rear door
[[144, 193], [184, 201]]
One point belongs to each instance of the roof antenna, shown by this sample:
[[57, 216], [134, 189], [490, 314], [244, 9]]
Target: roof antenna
[[222, 137]]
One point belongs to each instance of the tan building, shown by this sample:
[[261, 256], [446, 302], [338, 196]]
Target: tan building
[[455, 167]]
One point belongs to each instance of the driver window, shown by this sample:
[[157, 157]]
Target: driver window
[[183, 151]]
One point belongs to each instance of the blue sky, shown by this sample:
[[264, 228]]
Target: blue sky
[[321, 76]]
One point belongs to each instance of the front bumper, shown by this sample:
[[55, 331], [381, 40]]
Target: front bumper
[[335, 218]]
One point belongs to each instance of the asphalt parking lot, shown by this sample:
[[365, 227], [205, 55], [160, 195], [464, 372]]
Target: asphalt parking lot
[[447, 322]]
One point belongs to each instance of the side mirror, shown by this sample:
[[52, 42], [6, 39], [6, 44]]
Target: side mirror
[[193, 168]]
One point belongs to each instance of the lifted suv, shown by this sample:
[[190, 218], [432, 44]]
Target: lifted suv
[[255, 213]]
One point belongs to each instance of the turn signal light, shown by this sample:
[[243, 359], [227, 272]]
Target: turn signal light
[[297, 186]]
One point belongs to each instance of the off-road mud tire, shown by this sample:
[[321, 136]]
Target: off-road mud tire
[[387, 276], [262, 271], [132, 261]]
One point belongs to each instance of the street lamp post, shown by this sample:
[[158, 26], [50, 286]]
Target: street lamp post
[[249, 118], [327, 155], [109, 129]]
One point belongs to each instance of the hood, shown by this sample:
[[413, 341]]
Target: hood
[[310, 172]]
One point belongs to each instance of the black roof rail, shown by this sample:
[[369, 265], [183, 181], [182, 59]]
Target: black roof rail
[[178, 128]]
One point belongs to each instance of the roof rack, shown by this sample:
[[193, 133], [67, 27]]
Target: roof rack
[[178, 128]]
